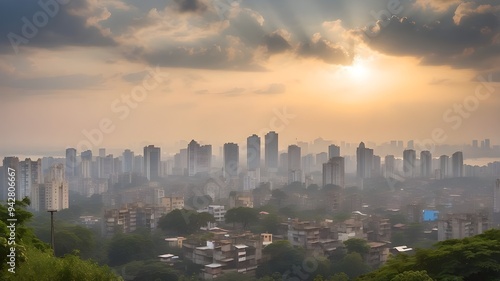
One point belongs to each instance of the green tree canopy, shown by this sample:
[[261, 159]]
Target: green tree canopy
[[184, 222], [356, 245], [243, 215]]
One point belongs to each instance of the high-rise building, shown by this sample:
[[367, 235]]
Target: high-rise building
[[334, 172], [105, 166], [283, 162], [253, 153], [192, 157], [294, 164], [128, 161], [205, 159], [30, 176], [9, 164], [487, 144], [457, 163], [152, 162], [409, 162], [376, 169], [321, 158], [102, 152], [139, 164], [231, 160], [390, 165], [333, 151], [71, 163], [86, 166], [474, 144], [271, 151], [53, 194], [364, 157], [425, 164], [444, 167]]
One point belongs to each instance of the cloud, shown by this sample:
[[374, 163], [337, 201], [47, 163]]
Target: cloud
[[324, 50], [467, 37], [190, 5], [272, 89], [29, 24], [276, 42]]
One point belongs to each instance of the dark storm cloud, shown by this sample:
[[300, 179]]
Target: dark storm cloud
[[466, 37], [28, 23], [190, 5], [324, 50], [275, 43]]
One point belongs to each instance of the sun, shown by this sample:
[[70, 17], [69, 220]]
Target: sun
[[358, 70]]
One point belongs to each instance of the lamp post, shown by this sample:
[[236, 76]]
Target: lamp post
[[52, 229]]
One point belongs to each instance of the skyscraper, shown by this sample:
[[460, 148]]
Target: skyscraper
[[86, 166], [271, 150], [496, 197], [192, 157], [409, 159], [71, 163], [390, 164], [425, 164], [205, 159], [294, 164], [30, 176], [128, 161], [334, 172], [253, 153], [152, 162], [231, 160], [457, 160], [56, 192], [444, 161], [364, 157], [333, 151]]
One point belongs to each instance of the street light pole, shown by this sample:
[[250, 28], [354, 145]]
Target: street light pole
[[52, 229]]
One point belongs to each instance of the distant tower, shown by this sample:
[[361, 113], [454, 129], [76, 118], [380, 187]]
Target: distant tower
[[231, 160], [457, 160], [253, 153], [294, 164], [152, 162], [128, 161], [334, 172], [390, 162], [71, 163], [409, 159], [271, 151], [364, 161], [192, 158], [333, 151], [444, 166], [425, 163]]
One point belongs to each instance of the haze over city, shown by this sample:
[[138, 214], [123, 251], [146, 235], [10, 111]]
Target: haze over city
[[226, 70], [250, 140]]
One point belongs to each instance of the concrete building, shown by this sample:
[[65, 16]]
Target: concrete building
[[444, 166], [29, 177], [390, 166], [152, 162], [409, 163], [294, 164], [457, 163], [334, 172], [231, 160], [271, 151], [71, 163], [218, 211], [253, 153], [459, 226], [364, 157], [10, 164], [425, 164], [128, 161], [333, 151], [53, 194]]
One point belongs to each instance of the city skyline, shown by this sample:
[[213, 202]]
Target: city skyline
[[426, 71]]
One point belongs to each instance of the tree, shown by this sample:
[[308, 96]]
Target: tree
[[184, 222], [353, 265], [356, 245], [412, 276], [468, 259], [124, 248], [243, 215], [282, 257]]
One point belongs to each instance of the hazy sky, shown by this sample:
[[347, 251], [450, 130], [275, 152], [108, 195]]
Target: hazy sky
[[344, 70]]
